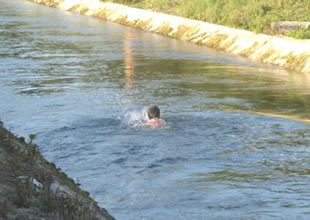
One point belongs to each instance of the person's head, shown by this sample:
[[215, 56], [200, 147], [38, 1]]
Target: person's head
[[153, 112]]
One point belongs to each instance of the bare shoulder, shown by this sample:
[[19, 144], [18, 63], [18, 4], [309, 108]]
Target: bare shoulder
[[155, 122]]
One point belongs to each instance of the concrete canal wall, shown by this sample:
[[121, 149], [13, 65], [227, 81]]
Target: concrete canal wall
[[282, 51]]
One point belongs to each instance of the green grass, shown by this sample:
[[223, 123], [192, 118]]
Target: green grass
[[300, 33], [253, 15]]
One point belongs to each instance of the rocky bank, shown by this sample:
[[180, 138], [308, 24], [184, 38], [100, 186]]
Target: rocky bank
[[32, 188]]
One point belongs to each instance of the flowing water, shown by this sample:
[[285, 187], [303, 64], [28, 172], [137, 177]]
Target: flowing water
[[82, 85]]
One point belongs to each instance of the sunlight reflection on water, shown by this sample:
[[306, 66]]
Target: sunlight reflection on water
[[83, 88]]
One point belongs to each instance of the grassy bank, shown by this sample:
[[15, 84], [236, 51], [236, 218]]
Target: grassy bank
[[253, 15], [32, 188]]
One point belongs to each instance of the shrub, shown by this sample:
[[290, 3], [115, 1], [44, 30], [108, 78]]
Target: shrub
[[254, 15], [300, 33]]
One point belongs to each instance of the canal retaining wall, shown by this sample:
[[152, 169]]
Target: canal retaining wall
[[282, 51]]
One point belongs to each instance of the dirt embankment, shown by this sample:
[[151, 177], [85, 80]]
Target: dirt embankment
[[32, 188]]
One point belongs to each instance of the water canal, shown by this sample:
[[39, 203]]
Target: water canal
[[78, 83]]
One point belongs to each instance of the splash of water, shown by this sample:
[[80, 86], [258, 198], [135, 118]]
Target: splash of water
[[136, 118]]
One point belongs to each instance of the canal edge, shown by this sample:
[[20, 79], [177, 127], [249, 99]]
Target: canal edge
[[33, 188], [285, 52]]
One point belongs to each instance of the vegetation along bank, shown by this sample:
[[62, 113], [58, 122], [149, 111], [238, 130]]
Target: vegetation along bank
[[32, 188], [257, 16], [282, 51]]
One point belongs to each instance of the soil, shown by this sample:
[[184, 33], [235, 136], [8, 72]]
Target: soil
[[33, 188]]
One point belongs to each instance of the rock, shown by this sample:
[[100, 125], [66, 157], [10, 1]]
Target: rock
[[37, 184], [32, 188], [283, 27], [22, 139]]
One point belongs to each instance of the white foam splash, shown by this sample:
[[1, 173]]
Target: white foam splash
[[135, 118]]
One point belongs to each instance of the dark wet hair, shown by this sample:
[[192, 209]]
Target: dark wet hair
[[153, 112]]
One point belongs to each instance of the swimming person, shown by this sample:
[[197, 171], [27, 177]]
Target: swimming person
[[153, 113]]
